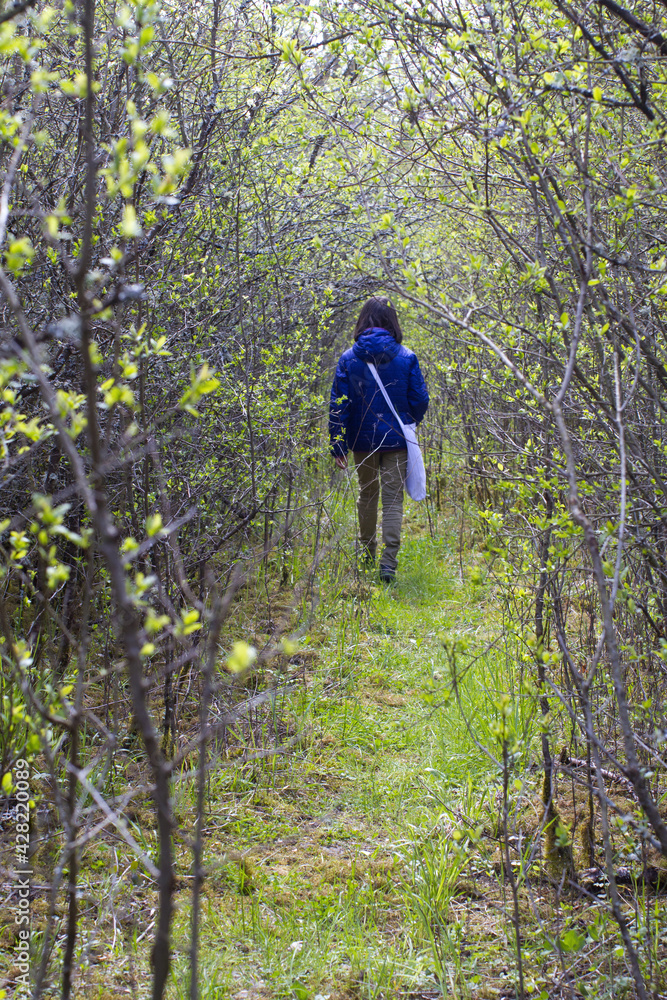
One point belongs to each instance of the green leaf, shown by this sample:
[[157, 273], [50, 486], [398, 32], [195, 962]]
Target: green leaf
[[130, 227], [241, 656], [153, 524], [572, 940], [299, 990], [147, 35]]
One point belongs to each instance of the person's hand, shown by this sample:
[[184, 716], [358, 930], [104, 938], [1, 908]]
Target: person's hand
[[341, 461]]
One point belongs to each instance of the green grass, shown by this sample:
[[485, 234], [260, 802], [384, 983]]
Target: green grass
[[335, 834], [363, 862]]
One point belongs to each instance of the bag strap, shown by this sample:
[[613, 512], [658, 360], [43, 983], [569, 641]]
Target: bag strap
[[379, 381]]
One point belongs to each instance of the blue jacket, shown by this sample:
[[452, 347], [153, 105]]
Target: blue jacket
[[359, 418]]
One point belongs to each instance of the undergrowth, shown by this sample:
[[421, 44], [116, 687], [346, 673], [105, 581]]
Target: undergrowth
[[354, 843]]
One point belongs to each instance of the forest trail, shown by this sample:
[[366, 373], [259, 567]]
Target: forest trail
[[321, 861], [196, 201]]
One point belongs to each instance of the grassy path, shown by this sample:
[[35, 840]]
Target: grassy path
[[352, 829], [325, 862]]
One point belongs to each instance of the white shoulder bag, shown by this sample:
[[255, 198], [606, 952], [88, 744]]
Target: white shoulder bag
[[415, 482]]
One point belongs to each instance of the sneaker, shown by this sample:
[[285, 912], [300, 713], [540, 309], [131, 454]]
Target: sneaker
[[387, 575]]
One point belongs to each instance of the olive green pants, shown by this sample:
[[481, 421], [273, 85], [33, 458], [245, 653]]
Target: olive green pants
[[390, 467]]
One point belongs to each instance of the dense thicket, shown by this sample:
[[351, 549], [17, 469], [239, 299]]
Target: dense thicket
[[195, 200]]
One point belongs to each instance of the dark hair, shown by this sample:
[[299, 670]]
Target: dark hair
[[381, 313]]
